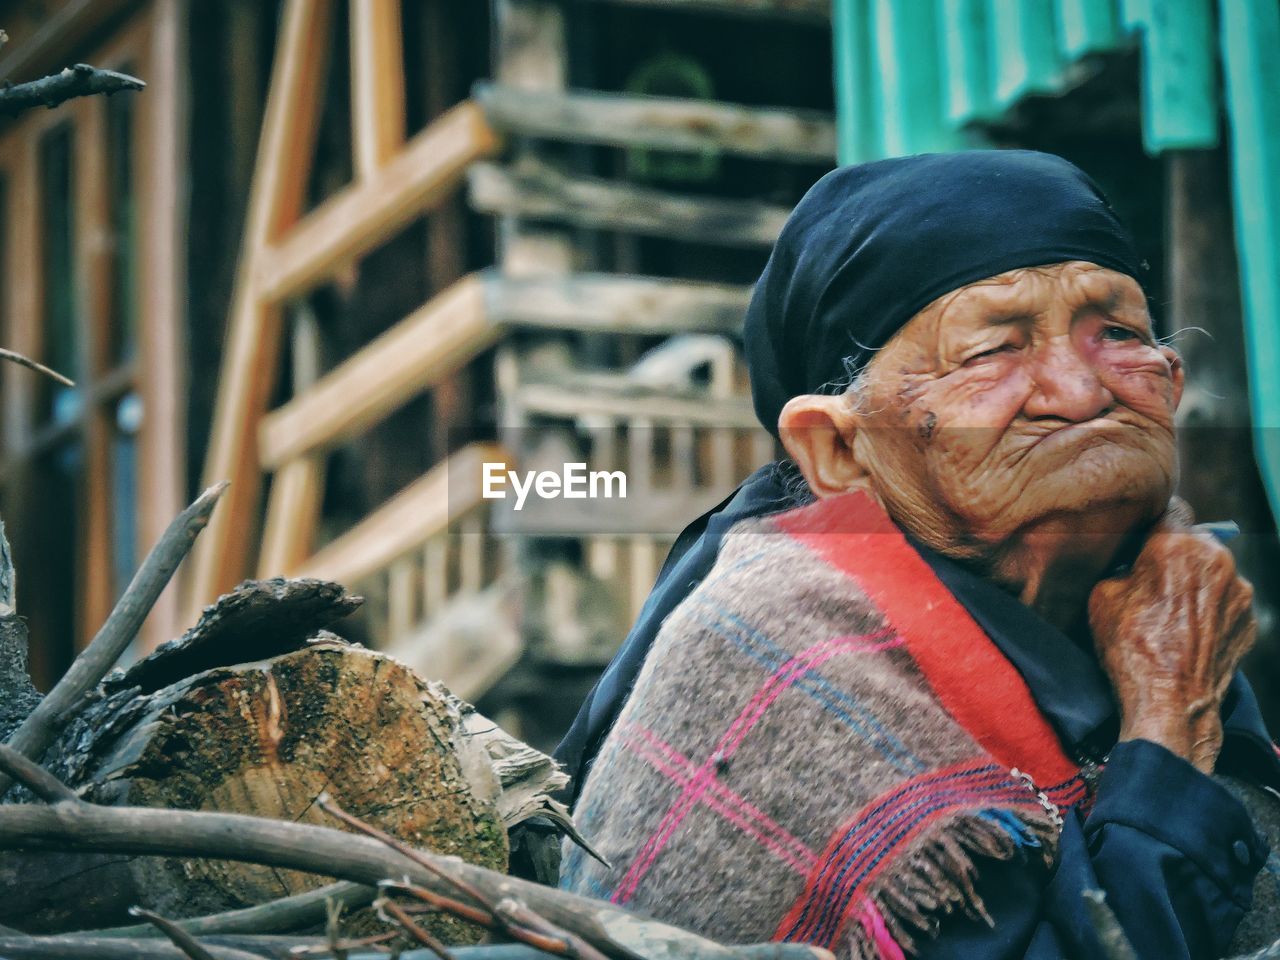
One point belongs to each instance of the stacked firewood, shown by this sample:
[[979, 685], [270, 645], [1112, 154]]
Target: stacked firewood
[[217, 788]]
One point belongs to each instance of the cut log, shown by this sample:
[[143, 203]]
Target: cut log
[[265, 738], [258, 710], [18, 697]]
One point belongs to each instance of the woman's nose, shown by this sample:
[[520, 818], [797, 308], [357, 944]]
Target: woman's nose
[[1067, 385]]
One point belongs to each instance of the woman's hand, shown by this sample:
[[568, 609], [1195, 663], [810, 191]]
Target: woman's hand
[[1170, 634]]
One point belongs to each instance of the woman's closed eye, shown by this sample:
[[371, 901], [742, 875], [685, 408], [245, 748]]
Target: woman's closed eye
[[1118, 334], [990, 352]]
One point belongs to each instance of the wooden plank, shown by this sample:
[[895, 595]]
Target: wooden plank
[[576, 400], [540, 191], [531, 54], [361, 216], [160, 175], [613, 303], [92, 277], [664, 123], [426, 346], [1204, 297], [377, 83], [408, 520], [292, 510], [253, 341], [20, 292], [807, 11], [656, 512]]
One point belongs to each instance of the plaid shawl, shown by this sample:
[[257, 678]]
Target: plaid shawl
[[819, 744]]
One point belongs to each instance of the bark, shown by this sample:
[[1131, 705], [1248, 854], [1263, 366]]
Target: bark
[[266, 738]]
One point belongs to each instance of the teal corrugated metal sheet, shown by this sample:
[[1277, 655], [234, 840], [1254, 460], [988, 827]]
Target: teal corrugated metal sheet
[[1086, 26], [1250, 40], [1179, 76], [907, 41], [1023, 47], [858, 127], [1133, 13], [966, 60]]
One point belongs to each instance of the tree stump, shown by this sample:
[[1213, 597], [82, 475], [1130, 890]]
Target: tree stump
[[265, 737]]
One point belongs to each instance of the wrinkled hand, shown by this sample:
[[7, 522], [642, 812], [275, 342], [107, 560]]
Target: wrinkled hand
[[1170, 634]]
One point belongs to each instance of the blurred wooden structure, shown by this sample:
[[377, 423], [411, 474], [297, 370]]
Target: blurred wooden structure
[[91, 251], [460, 591]]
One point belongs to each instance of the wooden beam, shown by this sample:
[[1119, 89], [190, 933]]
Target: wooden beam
[[253, 341], [664, 123], [160, 184], [614, 303], [661, 512], [404, 523], [93, 278], [377, 83], [809, 11], [364, 214], [574, 400], [292, 510], [537, 190], [426, 346]]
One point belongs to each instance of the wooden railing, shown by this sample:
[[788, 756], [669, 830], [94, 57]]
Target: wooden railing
[[286, 253]]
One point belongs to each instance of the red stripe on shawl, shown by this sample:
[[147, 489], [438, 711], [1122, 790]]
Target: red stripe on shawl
[[974, 681]]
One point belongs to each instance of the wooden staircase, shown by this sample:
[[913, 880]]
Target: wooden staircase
[[620, 369]]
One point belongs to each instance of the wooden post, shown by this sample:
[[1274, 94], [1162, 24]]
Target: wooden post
[[1219, 477], [253, 338], [160, 172]]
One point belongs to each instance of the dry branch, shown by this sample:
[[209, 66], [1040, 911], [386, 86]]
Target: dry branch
[[323, 850], [184, 941], [24, 361], [71, 948], [67, 947], [421, 936], [42, 725], [79, 80], [297, 912], [33, 776]]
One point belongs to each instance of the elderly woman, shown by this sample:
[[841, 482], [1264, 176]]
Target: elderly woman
[[984, 665]]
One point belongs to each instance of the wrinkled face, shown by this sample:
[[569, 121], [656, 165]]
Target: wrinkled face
[[1035, 394]]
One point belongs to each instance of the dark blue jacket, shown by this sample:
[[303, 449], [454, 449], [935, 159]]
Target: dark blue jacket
[[1174, 852]]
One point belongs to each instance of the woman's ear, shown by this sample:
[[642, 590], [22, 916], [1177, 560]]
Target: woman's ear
[[817, 432]]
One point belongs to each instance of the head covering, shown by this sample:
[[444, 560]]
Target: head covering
[[871, 245]]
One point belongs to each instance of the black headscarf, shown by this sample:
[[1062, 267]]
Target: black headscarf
[[869, 246], [865, 249]]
